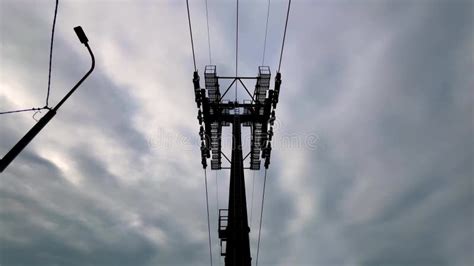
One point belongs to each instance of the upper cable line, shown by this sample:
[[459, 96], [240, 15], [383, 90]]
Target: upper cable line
[[191, 34], [266, 32], [284, 34]]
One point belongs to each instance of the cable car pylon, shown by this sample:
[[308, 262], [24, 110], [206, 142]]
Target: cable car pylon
[[259, 115]]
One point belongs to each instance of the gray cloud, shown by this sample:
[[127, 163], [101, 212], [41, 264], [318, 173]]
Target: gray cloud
[[385, 86]]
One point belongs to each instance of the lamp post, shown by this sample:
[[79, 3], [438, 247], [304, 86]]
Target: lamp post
[[13, 153]]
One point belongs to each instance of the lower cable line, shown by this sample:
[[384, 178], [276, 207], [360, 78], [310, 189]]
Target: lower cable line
[[208, 220], [217, 209], [261, 216], [251, 201]]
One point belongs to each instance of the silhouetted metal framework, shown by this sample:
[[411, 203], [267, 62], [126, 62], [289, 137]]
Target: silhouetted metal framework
[[257, 113]]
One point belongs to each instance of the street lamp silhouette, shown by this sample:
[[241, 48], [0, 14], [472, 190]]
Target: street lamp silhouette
[[11, 155]]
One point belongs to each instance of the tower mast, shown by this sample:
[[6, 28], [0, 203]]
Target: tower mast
[[238, 246], [258, 114]]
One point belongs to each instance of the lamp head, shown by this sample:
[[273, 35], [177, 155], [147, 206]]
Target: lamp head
[[81, 35]]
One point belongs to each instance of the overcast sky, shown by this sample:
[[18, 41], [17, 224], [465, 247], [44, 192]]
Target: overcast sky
[[374, 151]]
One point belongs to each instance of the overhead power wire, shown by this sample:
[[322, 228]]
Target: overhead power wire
[[49, 71], [191, 34], [23, 110], [266, 31], [51, 51], [261, 216], [208, 34], [284, 34], [208, 219]]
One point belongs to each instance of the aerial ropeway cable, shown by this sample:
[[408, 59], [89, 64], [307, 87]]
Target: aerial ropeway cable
[[265, 177], [284, 34], [191, 34], [261, 216], [266, 32], [236, 46], [208, 218], [205, 171], [208, 35]]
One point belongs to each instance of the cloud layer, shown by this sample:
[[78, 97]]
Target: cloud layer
[[384, 87]]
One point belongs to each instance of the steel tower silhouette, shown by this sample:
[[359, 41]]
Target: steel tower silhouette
[[258, 113]]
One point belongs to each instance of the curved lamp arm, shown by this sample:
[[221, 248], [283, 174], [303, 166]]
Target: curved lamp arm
[[83, 38]]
